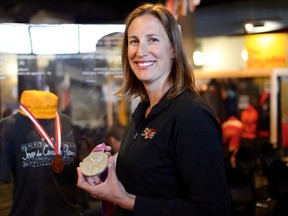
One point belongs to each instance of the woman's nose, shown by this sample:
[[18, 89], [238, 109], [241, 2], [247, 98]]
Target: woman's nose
[[142, 49]]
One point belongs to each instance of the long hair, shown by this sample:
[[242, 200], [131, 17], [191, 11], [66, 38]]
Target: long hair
[[181, 75]]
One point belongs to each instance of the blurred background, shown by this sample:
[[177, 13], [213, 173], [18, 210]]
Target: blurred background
[[238, 49]]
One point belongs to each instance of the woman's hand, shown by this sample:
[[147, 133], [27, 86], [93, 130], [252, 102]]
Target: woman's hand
[[109, 190]]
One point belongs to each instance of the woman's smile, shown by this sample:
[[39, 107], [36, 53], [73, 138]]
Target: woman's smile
[[144, 65], [149, 50]]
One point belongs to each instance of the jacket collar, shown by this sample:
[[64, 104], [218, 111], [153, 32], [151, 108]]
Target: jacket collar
[[139, 113]]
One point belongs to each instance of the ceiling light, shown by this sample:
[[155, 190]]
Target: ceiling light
[[198, 58], [248, 27], [14, 38], [262, 26], [244, 55]]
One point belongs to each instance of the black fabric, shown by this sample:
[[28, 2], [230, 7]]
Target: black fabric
[[172, 160], [37, 189]]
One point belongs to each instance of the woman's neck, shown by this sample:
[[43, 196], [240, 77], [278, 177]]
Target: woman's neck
[[42, 104], [157, 94]]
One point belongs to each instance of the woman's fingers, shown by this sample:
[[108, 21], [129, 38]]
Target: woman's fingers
[[81, 178], [111, 168], [102, 147], [84, 181]]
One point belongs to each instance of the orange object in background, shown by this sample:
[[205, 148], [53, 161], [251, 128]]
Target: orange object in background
[[232, 131], [266, 50], [285, 135], [249, 118]]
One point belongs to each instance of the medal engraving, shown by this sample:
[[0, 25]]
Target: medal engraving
[[57, 163], [94, 164]]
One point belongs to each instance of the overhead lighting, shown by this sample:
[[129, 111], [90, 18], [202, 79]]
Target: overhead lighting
[[54, 39], [14, 38], [244, 55], [90, 34], [198, 58], [253, 27], [248, 27]]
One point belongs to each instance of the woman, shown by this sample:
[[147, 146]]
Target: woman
[[170, 160]]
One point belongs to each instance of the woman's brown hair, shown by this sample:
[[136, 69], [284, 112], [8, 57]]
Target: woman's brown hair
[[181, 76]]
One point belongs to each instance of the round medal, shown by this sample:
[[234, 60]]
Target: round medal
[[57, 163], [94, 164]]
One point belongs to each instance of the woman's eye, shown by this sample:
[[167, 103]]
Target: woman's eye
[[132, 41], [154, 39]]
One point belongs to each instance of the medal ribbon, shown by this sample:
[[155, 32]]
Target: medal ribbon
[[43, 133]]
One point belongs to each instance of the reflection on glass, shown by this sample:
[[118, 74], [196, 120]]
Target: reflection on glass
[[90, 34], [81, 64], [14, 38], [54, 39]]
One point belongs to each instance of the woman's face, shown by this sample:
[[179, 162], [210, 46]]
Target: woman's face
[[150, 53]]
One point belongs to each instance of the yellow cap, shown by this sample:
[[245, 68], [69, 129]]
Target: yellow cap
[[42, 104]]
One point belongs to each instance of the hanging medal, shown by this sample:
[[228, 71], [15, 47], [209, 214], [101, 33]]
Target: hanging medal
[[57, 162]]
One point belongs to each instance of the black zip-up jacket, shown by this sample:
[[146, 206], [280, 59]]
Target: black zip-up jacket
[[172, 160]]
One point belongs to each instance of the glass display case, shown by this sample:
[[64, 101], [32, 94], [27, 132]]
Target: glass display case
[[81, 64]]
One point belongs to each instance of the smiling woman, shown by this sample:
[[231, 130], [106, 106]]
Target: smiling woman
[[167, 160], [150, 55]]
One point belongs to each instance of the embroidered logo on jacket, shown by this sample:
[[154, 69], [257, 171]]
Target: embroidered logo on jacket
[[149, 133]]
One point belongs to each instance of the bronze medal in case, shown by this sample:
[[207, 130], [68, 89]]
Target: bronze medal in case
[[57, 163]]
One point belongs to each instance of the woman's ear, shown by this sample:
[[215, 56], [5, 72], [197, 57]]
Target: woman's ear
[[173, 55]]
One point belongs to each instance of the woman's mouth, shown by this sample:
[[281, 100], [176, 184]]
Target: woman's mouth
[[145, 64]]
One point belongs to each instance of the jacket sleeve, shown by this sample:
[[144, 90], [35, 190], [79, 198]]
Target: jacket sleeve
[[6, 135], [197, 145]]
